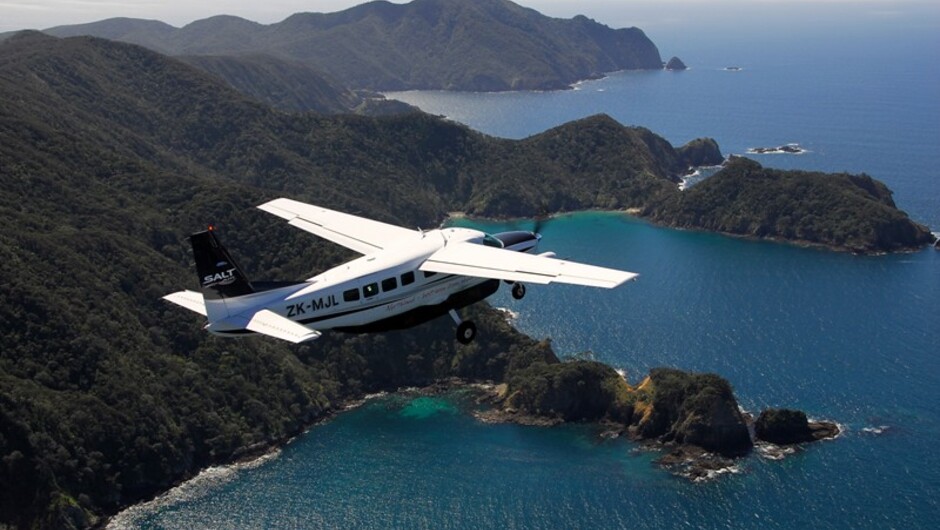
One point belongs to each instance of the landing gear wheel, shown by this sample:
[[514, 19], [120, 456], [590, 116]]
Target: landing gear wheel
[[518, 291], [466, 332]]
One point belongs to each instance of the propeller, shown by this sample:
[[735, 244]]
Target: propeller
[[541, 220]]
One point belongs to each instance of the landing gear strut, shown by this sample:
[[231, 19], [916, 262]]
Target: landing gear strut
[[518, 290], [466, 329]]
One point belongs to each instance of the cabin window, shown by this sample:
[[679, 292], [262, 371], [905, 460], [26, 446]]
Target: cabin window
[[408, 278], [351, 295], [428, 274], [370, 290], [388, 284]]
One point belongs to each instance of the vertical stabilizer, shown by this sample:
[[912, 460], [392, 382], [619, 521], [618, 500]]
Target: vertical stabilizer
[[220, 278]]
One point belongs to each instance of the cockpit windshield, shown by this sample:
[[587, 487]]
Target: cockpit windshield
[[491, 241]]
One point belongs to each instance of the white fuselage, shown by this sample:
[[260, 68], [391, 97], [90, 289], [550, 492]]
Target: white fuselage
[[370, 289]]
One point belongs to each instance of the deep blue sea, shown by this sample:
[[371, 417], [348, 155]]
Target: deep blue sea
[[848, 338]]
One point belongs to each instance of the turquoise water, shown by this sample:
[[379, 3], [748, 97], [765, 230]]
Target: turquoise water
[[853, 339]]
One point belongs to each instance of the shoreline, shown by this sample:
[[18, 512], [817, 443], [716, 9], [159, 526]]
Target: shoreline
[[636, 213], [247, 458], [262, 452], [687, 461]]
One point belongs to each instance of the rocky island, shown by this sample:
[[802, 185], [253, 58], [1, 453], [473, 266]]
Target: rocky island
[[694, 418], [788, 149], [675, 64]]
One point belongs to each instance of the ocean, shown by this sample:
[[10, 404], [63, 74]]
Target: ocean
[[849, 338]]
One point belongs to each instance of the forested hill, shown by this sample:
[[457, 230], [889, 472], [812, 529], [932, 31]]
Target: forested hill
[[840, 211], [283, 84], [481, 45], [111, 154]]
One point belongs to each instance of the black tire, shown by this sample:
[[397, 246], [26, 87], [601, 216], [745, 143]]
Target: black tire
[[466, 332], [518, 290]]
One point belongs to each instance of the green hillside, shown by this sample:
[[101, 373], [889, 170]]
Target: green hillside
[[447, 44], [840, 211], [282, 84]]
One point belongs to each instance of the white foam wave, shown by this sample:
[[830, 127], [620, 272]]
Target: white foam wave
[[773, 451], [508, 314], [880, 429], [712, 474], [197, 487], [697, 174]]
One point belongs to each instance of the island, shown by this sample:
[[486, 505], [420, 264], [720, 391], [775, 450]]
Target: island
[[675, 64], [788, 149], [484, 45]]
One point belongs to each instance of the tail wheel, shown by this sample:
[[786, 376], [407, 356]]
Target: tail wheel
[[518, 291], [466, 332]]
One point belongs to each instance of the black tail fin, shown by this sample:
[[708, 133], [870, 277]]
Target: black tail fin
[[219, 276]]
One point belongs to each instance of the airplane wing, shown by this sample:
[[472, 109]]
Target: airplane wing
[[357, 233], [270, 323], [472, 259]]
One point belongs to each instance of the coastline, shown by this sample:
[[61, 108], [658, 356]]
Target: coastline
[[687, 461], [250, 458], [637, 214], [259, 454]]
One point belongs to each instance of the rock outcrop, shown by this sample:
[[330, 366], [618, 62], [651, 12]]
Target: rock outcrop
[[676, 64], [694, 409], [693, 417], [700, 152], [786, 426]]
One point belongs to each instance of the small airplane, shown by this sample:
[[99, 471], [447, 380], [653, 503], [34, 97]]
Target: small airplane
[[404, 277]]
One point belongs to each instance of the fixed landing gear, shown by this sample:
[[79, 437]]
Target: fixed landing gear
[[518, 290], [466, 329]]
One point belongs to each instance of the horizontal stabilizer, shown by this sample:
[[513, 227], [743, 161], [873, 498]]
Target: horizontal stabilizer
[[189, 299], [470, 259], [270, 323]]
